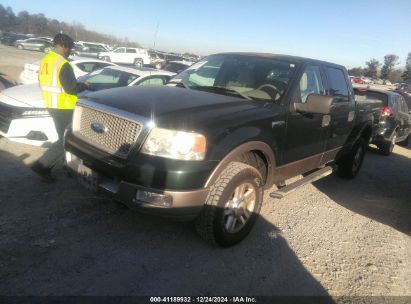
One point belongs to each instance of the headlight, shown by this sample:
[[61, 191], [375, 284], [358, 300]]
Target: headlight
[[175, 144]]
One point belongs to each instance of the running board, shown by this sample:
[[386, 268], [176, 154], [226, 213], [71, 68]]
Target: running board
[[316, 175]]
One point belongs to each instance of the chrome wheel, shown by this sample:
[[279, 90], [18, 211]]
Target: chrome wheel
[[239, 208]]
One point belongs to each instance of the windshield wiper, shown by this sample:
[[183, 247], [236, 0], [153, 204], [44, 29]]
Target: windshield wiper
[[219, 89]]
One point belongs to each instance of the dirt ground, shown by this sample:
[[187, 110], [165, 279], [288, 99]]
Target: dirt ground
[[335, 237]]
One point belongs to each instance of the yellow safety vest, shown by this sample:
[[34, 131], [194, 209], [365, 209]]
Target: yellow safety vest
[[54, 95]]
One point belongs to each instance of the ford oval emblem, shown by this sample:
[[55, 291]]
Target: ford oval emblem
[[98, 127]]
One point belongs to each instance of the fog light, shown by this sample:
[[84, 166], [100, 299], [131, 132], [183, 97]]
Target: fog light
[[152, 198]]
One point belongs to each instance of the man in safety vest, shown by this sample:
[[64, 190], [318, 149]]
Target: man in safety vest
[[59, 88]]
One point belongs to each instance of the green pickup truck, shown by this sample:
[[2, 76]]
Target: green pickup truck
[[207, 145]]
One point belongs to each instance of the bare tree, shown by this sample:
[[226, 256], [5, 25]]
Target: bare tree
[[389, 62], [407, 73], [372, 68]]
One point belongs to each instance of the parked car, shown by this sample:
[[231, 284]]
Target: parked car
[[177, 66], [81, 66], [236, 124], [89, 51], [136, 56], [157, 60], [10, 38], [392, 120], [23, 117], [358, 80], [34, 44], [404, 88]]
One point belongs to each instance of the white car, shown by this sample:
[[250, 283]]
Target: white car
[[136, 56], [24, 119], [81, 66]]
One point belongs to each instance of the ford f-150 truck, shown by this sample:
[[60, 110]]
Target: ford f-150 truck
[[205, 147]]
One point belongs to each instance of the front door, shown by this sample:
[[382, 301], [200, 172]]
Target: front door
[[305, 130]]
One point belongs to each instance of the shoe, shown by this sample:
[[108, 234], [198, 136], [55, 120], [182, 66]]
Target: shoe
[[43, 172]]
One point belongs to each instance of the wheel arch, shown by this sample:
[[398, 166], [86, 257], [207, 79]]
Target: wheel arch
[[257, 148]]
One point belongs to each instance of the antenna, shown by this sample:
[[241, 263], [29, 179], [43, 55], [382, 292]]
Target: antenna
[[155, 35]]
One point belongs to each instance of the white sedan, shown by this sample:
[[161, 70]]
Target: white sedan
[[81, 66], [24, 119]]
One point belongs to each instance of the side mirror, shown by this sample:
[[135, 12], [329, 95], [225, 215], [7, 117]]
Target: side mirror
[[315, 103]]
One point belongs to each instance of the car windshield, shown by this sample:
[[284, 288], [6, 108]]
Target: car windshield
[[108, 78], [250, 77]]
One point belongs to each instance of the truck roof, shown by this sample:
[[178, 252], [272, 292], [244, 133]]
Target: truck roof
[[296, 59]]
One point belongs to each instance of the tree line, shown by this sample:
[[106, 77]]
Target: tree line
[[40, 25], [388, 71]]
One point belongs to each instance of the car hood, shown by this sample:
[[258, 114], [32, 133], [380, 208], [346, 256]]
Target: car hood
[[28, 95], [171, 106]]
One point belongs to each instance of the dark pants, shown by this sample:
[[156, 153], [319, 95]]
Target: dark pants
[[61, 118]]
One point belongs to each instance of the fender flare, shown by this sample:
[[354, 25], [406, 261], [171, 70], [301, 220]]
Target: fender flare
[[244, 148]]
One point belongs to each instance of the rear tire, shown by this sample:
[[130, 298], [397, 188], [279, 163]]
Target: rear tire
[[350, 164], [233, 205]]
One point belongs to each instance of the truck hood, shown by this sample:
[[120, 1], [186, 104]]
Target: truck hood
[[171, 105]]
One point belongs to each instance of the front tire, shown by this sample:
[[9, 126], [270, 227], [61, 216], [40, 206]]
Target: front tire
[[232, 206], [46, 50], [350, 164], [106, 58], [158, 66], [138, 62], [20, 47]]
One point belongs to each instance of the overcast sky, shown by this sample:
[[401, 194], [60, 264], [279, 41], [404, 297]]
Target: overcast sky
[[346, 32]]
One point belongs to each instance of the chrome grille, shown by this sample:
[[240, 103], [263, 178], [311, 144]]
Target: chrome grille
[[119, 134]]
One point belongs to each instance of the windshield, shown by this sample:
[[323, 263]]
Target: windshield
[[108, 79], [251, 77]]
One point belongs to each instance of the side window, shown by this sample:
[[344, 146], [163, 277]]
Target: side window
[[131, 51], [120, 50], [153, 81], [337, 84], [87, 66], [310, 82]]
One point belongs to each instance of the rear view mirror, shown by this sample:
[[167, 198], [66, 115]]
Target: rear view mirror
[[315, 103]]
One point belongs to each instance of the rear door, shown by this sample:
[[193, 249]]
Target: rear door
[[131, 55], [342, 111]]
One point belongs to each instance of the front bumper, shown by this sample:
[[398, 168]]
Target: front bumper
[[181, 205], [155, 185]]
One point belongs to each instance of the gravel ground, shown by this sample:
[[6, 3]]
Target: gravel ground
[[335, 237]]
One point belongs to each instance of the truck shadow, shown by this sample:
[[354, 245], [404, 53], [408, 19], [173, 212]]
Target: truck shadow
[[58, 240], [381, 191]]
